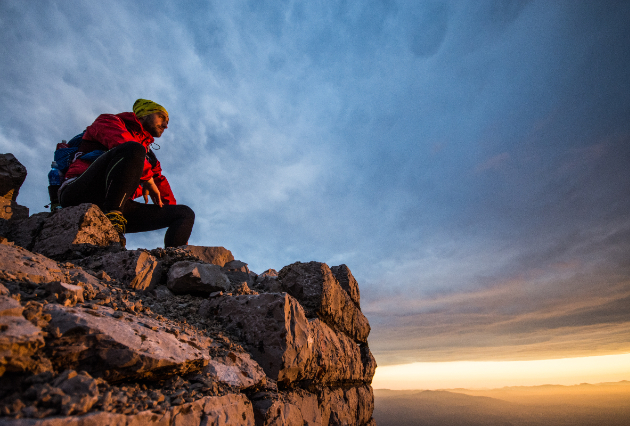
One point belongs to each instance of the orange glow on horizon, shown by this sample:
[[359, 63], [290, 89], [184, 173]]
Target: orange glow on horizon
[[496, 374]]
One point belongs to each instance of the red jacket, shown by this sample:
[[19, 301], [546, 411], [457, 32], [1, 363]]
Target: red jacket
[[112, 130]]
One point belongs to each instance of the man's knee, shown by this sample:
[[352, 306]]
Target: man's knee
[[132, 149], [186, 213]]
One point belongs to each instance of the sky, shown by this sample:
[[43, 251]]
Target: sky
[[468, 160]]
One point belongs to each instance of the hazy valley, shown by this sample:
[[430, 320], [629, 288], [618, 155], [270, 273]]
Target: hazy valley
[[581, 405]]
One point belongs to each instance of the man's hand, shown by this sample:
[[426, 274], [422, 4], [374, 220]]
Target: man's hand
[[149, 188]]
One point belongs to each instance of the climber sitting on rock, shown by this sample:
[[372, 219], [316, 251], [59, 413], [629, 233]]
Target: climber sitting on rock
[[127, 169]]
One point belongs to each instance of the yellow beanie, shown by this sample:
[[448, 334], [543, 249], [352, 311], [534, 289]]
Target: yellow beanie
[[144, 107]]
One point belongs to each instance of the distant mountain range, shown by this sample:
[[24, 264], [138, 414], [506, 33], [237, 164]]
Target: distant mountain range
[[604, 404]]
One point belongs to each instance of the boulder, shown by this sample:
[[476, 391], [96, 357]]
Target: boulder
[[23, 232], [19, 342], [316, 288], [119, 346], [17, 263], [227, 410], [369, 364], [274, 328], [196, 278], [83, 229], [336, 358], [10, 210], [287, 346], [297, 407], [347, 282], [214, 255], [235, 369], [67, 294], [352, 406], [9, 307], [136, 269], [238, 272], [267, 282], [12, 175]]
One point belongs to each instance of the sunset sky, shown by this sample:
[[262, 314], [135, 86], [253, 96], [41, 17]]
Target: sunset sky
[[468, 160]]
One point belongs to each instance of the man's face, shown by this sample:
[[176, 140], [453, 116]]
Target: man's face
[[155, 124]]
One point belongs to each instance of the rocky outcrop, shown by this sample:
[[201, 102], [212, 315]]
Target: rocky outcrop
[[12, 175], [71, 234], [93, 334], [138, 269], [196, 278], [316, 288], [212, 255]]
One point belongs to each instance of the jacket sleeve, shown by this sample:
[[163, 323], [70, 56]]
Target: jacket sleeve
[[166, 194]]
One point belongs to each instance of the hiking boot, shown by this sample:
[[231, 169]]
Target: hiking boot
[[118, 222]]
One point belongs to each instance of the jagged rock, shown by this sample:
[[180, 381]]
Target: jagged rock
[[23, 232], [19, 341], [135, 268], [17, 263], [238, 272], [285, 344], [10, 210], [214, 255], [353, 406], [9, 307], [196, 278], [65, 293], [336, 358], [83, 228], [297, 407], [116, 346], [347, 282], [267, 282], [235, 369], [274, 327], [369, 364], [12, 175], [227, 410], [315, 287]]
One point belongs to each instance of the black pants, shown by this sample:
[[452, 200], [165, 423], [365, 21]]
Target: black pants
[[109, 182]]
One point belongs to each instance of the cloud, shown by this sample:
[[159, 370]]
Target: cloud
[[468, 160]]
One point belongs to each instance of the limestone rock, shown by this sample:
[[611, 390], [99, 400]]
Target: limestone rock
[[19, 341], [65, 293], [17, 263], [9, 307], [316, 288], [235, 369], [347, 282], [285, 344], [353, 406], [9, 209], [274, 327], [227, 410], [135, 268], [12, 175], [214, 255], [23, 232], [267, 282], [116, 346], [196, 278], [238, 272], [83, 228], [369, 364], [336, 358], [297, 407]]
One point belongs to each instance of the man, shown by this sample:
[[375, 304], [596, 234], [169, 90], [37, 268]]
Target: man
[[114, 164]]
